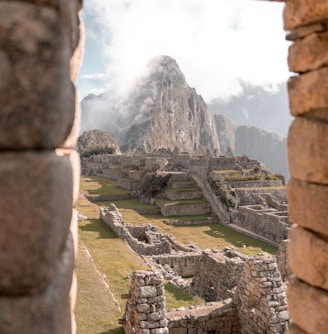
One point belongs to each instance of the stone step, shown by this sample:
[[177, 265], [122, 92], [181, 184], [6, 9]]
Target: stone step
[[174, 195], [183, 184], [129, 184]]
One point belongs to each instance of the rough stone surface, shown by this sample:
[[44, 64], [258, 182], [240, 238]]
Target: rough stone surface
[[49, 310], [302, 12], [307, 150], [310, 249], [314, 214], [307, 92], [293, 329], [36, 209], [309, 53], [37, 101], [307, 307], [304, 31]]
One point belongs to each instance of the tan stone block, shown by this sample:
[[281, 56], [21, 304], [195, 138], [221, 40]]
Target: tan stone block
[[48, 311], [308, 92], [308, 257], [302, 12], [308, 307], [293, 329], [37, 101], [36, 210], [309, 53], [305, 31], [307, 150], [308, 205], [74, 160]]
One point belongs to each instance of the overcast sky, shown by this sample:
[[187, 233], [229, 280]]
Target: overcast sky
[[217, 43]]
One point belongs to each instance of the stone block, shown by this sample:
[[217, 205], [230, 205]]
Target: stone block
[[304, 31], [303, 12], [307, 306], [308, 257], [36, 210], [48, 311], [37, 100], [293, 329], [307, 92], [309, 53], [308, 205], [307, 150]]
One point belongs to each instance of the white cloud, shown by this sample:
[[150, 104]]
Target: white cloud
[[217, 43]]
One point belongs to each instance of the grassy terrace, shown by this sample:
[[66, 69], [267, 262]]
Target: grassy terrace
[[103, 277]]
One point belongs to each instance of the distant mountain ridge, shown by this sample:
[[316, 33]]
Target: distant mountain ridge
[[163, 111]]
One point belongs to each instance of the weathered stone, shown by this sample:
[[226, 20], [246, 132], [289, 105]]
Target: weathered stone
[[307, 306], [49, 310], [309, 53], [307, 150], [293, 329], [308, 257], [308, 205], [148, 291], [307, 92], [37, 102], [36, 210], [302, 12], [304, 31]]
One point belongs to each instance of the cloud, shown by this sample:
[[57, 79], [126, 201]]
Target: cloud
[[96, 76], [219, 44]]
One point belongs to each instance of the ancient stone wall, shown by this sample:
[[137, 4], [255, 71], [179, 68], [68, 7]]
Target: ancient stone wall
[[306, 21], [40, 57], [145, 307], [266, 222], [282, 260], [183, 264], [261, 297], [214, 317], [217, 273], [152, 242]]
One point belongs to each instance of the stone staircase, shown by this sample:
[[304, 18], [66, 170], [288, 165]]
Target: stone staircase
[[183, 197]]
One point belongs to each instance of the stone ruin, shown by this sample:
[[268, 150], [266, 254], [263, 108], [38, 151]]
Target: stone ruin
[[259, 204], [243, 294]]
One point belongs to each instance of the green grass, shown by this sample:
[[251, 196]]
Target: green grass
[[182, 201], [98, 186], [129, 204], [176, 298]]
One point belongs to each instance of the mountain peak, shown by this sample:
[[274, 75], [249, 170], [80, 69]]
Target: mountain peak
[[165, 65]]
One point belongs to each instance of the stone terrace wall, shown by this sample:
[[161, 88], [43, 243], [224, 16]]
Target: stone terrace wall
[[40, 57], [266, 222], [306, 20], [217, 273], [215, 317]]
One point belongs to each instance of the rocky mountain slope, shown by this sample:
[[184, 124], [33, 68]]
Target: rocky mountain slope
[[163, 111], [256, 143], [96, 142]]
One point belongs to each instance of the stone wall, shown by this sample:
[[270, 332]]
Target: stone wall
[[145, 308], [261, 297], [266, 222], [217, 273], [214, 317], [258, 303], [306, 21], [183, 264], [40, 57], [152, 242]]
